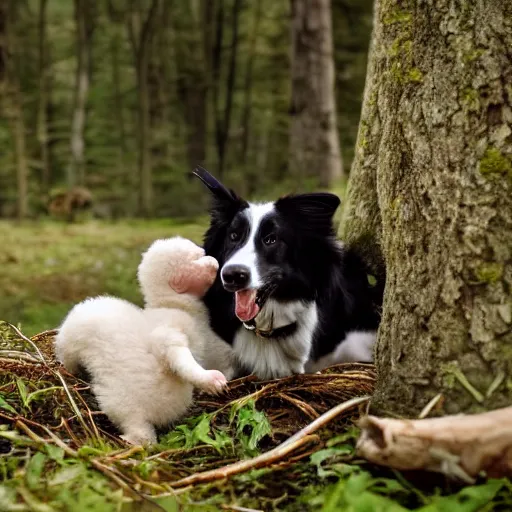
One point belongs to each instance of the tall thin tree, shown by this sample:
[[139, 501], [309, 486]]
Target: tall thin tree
[[314, 144], [142, 28], [223, 116], [84, 24], [42, 114], [12, 96]]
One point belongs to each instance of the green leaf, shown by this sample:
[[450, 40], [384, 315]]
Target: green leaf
[[54, 452], [469, 499], [254, 421], [22, 389], [36, 394], [6, 406], [326, 470], [66, 475], [34, 470]]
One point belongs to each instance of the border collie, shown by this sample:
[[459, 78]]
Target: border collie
[[289, 297]]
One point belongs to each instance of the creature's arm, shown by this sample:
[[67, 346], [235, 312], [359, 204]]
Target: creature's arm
[[173, 345]]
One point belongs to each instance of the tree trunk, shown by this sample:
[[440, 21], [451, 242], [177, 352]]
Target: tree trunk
[[216, 59], [84, 29], [142, 48], [246, 113], [192, 68], [314, 145], [12, 104], [223, 119], [432, 186], [42, 117]]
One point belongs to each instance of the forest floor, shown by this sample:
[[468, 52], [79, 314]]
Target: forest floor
[[58, 452]]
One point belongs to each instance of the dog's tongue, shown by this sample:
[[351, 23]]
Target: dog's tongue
[[245, 305]]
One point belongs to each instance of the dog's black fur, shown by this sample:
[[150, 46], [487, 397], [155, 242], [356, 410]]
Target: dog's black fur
[[305, 262]]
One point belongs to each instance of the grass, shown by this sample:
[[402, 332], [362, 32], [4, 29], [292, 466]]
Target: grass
[[47, 267]]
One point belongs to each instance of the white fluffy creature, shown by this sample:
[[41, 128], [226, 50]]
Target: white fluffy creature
[[144, 363]]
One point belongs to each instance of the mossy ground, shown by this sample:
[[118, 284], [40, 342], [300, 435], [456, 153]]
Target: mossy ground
[[58, 453]]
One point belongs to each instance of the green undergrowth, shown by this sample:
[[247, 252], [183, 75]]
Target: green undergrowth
[[57, 453]]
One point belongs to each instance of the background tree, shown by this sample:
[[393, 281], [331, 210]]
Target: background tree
[[314, 144], [44, 85], [13, 100], [84, 19], [210, 84], [142, 29], [430, 194]]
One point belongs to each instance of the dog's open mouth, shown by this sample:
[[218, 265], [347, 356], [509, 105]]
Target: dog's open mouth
[[248, 303]]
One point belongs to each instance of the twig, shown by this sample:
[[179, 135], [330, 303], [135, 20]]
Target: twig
[[28, 340], [16, 355], [302, 437], [457, 373], [327, 417], [236, 508], [264, 459], [495, 384], [426, 410], [300, 404], [58, 375]]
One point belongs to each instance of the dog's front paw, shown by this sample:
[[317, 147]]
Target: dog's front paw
[[213, 382]]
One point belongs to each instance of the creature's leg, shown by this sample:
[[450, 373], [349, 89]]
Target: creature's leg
[[139, 432], [173, 345]]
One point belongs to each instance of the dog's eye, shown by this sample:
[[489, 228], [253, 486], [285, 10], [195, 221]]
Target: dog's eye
[[234, 236], [270, 239]]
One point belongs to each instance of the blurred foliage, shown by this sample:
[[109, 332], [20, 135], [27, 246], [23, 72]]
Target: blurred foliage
[[179, 55], [47, 267]]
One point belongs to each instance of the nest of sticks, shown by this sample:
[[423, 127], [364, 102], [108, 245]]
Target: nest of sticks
[[303, 411]]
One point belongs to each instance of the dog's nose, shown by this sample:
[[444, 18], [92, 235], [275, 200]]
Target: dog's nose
[[235, 277]]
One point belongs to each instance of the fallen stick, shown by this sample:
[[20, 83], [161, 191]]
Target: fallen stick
[[302, 437], [462, 446]]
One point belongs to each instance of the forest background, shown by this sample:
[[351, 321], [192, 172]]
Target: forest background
[[111, 104], [126, 97]]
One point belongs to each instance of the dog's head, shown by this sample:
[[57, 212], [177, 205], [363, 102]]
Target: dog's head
[[266, 249]]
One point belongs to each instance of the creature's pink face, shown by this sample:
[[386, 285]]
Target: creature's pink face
[[195, 276]]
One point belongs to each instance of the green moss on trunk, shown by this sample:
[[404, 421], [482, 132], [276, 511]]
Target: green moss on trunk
[[431, 194]]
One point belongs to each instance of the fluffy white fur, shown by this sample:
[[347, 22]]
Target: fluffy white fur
[[145, 363], [357, 346]]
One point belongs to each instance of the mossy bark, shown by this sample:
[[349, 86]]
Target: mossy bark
[[431, 192]]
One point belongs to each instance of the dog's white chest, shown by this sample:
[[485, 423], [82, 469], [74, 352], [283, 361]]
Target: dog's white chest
[[271, 358]]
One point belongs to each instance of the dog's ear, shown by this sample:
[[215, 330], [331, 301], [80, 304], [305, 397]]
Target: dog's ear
[[226, 203], [312, 211]]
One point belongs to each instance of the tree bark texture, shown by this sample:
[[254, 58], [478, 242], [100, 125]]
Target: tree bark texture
[[432, 187], [192, 69], [142, 58], [223, 118], [12, 102], [84, 30], [42, 116], [314, 144], [248, 83]]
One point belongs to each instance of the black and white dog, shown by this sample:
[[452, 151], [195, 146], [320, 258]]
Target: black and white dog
[[289, 297]]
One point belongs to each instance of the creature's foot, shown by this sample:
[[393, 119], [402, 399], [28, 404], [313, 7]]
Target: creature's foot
[[212, 382], [139, 436]]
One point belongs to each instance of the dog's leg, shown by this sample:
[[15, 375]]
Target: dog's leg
[[174, 346]]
